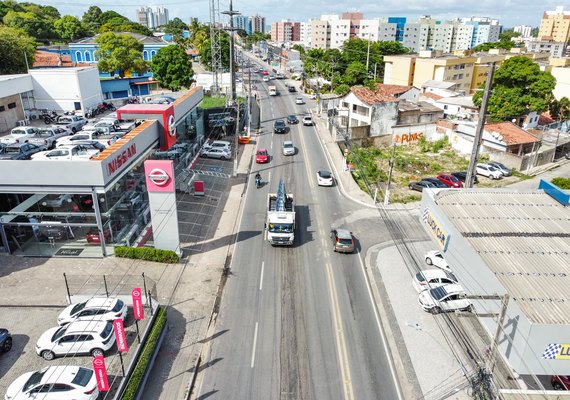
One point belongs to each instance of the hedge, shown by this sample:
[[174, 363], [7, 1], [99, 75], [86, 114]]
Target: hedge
[[145, 356], [147, 253], [562, 183]]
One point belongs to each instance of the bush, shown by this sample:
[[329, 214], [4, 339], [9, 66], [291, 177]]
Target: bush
[[562, 183], [147, 253], [145, 355]]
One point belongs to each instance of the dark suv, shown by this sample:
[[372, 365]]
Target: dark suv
[[5, 340], [279, 126]]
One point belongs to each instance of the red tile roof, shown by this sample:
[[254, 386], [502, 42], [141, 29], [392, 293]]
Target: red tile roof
[[431, 95], [49, 59], [545, 119], [511, 133], [382, 94]]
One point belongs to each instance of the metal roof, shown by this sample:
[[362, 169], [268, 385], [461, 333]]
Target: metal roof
[[524, 238]]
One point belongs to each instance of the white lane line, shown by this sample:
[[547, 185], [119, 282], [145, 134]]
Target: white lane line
[[271, 145], [269, 177], [261, 279], [254, 345], [382, 335]]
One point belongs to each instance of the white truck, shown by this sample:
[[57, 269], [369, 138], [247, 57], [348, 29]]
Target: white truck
[[273, 90], [48, 136], [72, 122], [102, 135], [280, 223], [112, 124]]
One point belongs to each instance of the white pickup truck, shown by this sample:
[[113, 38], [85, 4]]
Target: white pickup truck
[[66, 153], [47, 136], [114, 125], [102, 135], [19, 135], [72, 122]]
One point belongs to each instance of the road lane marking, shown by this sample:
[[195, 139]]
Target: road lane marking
[[261, 279], [382, 335], [269, 177], [254, 345]]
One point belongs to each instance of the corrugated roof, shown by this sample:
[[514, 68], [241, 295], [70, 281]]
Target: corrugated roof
[[511, 133], [382, 94], [524, 238]]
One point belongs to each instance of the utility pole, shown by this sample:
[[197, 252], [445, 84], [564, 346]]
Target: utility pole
[[479, 131], [392, 158], [233, 101], [368, 55]]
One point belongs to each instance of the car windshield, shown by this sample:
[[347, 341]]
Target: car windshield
[[452, 178], [325, 174], [82, 377], [12, 150], [262, 153], [59, 333], [45, 133], [107, 330], [345, 241], [438, 293], [118, 306], [34, 379], [78, 307], [287, 145], [57, 153], [450, 276], [279, 123], [17, 132], [420, 277], [280, 228]]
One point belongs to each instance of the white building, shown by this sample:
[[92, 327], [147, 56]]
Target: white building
[[152, 18], [377, 30], [524, 30]]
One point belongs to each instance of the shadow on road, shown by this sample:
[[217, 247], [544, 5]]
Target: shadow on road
[[206, 395], [215, 335]]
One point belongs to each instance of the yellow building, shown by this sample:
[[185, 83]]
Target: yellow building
[[555, 25]]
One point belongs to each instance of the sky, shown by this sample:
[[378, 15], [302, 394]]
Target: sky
[[509, 12]]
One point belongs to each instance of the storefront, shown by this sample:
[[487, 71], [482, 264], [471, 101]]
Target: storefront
[[84, 208]]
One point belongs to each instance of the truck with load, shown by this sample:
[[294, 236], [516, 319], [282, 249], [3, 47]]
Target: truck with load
[[280, 223], [273, 90]]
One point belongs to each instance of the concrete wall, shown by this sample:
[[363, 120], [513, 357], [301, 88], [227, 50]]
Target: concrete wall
[[562, 88], [12, 112], [383, 117]]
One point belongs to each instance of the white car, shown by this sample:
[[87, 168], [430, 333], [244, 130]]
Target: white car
[[265, 78], [219, 144], [81, 337], [436, 258], [324, 178], [488, 171], [62, 382], [56, 201], [20, 134], [299, 100], [432, 278], [96, 308], [66, 153], [213, 152], [308, 120], [288, 148], [444, 298]]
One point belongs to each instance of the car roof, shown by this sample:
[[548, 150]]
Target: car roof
[[453, 288], [58, 373], [260, 150], [85, 326], [287, 142], [434, 273], [99, 302], [343, 233]]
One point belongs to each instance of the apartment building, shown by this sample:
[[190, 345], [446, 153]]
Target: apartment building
[[524, 30], [320, 34], [257, 24], [286, 31], [242, 22], [152, 17], [555, 25], [377, 30]]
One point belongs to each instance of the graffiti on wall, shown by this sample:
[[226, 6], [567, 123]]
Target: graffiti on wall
[[408, 138]]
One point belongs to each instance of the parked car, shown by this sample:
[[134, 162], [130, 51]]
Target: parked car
[[93, 236], [291, 88], [299, 100], [261, 156], [420, 186], [74, 152], [324, 178], [444, 298], [292, 119], [432, 278], [560, 382], [437, 183], [265, 78], [219, 144], [308, 120], [72, 122], [213, 152], [462, 175], [434, 257], [20, 151], [96, 308], [19, 134], [61, 382], [176, 151], [503, 169], [55, 200], [288, 148], [279, 126], [46, 136], [488, 171], [567, 156], [5, 340], [81, 337], [342, 239], [450, 181]]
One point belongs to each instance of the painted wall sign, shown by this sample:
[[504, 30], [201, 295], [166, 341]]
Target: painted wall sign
[[121, 158], [436, 228], [406, 138], [557, 351]]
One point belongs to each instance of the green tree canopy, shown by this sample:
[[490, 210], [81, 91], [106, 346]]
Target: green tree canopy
[[206, 52], [9, 5], [172, 68], [14, 44], [119, 24], [175, 26], [560, 109], [69, 28], [92, 19], [518, 86], [31, 23], [119, 53]]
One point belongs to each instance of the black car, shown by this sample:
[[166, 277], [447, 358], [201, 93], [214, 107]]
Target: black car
[[5, 340], [20, 151], [462, 175], [279, 126], [421, 185], [292, 89], [91, 144], [436, 182], [292, 119]]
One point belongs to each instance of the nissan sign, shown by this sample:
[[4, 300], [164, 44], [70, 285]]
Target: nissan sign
[[101, 373], [120, 336], [159, 177], [138, 309]]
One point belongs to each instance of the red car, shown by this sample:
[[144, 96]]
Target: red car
[[450, 181], [264, 73], [262, 156], [560, 382], [94, 238]]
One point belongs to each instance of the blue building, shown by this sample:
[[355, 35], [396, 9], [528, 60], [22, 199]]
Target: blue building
[[400, 24], [243, 22], [83, 52]]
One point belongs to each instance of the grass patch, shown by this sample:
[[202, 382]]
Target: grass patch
[[142, 363], [213, 102], [562, 183]]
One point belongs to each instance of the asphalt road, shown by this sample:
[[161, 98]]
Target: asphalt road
[[297, 322]]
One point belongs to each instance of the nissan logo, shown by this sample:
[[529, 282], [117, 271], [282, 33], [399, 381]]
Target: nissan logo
[[158, 177], [98, 362], [136, 293], [171, 126]]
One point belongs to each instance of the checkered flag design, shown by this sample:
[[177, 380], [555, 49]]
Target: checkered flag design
[[551, 351]]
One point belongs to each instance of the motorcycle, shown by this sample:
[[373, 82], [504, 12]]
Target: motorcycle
[[257, 182], [49, 117]]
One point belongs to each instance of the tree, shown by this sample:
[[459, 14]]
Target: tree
[[69, 28], [120, 53], [175, 27], [560, 109], [9, 5], [172, 68], [518, 86], [206, 52], [14, 44], [299, 48], [109, 15], [30, 23], [92, 19], [355, 74], [120, 24]]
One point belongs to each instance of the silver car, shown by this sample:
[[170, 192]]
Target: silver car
[[288, 148], [213, 152]]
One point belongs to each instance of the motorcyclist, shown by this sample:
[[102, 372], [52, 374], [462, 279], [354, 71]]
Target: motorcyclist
[[257, 179]]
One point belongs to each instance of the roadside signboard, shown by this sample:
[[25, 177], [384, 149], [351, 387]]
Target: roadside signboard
[[120, 336], [101, 373], [138, 309]]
